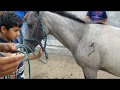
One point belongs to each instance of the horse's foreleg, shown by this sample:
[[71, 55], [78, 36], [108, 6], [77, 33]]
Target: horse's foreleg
[[89, 73]]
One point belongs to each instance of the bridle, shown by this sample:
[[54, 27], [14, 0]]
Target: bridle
[[33, 39]]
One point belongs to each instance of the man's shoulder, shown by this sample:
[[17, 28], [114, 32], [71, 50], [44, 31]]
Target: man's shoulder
[[15, 41], [2, 40]]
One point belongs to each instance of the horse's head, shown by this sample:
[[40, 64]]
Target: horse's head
[[34, 34]]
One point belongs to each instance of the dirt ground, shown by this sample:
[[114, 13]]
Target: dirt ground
[[59, 67]]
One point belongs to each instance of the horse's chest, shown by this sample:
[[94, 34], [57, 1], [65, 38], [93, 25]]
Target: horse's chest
[[87, 51], [87, 54], [86, 46]]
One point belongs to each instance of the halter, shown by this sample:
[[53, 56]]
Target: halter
[[44, 36], [21, 48]]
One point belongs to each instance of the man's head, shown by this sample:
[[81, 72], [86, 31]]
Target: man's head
[[10, 25]]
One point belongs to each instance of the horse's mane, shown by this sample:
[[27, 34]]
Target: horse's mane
[[68, 15]]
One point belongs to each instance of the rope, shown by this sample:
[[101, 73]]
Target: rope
[[21, 48], [25, 47], [44, 33]]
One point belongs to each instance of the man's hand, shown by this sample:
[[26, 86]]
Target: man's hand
[[40, 53], [9, 64], [7, 47]]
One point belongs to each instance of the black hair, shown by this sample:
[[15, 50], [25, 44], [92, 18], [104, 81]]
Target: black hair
[[68, 15], [9, 20]]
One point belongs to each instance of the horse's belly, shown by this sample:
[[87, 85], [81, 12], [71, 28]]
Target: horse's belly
[[110, 54]]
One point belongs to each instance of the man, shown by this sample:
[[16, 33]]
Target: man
[[96, 17], [23, 15], [9, 31], [9, 64]]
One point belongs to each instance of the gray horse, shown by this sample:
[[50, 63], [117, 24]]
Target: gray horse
[[94, 46]]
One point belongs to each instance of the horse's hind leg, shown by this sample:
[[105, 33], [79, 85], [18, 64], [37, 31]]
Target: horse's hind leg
[[89, 73]]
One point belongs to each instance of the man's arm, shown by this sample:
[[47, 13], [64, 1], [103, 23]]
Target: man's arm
[[9, 64], [104, 21], [7, 47], [32, 57], [26, 15], [104, 17], [88, 17]]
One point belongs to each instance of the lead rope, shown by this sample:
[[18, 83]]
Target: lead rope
[[21, 48], [44, 33]]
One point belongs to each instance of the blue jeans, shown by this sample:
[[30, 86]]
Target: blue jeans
[[22, 33]]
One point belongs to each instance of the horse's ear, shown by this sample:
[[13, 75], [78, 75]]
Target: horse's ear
[[36, 12]]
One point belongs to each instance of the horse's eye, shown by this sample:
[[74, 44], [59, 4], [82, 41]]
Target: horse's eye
[[30, 25]]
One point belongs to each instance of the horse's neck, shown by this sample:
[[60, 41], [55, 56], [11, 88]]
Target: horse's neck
[[68, 32]]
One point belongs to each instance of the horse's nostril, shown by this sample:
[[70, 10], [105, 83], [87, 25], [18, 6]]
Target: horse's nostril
[[29, 25]]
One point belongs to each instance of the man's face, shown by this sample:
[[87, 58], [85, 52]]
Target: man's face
[[11, 34]]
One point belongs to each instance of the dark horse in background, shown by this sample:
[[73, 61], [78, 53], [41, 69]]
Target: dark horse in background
[[94, 46]]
